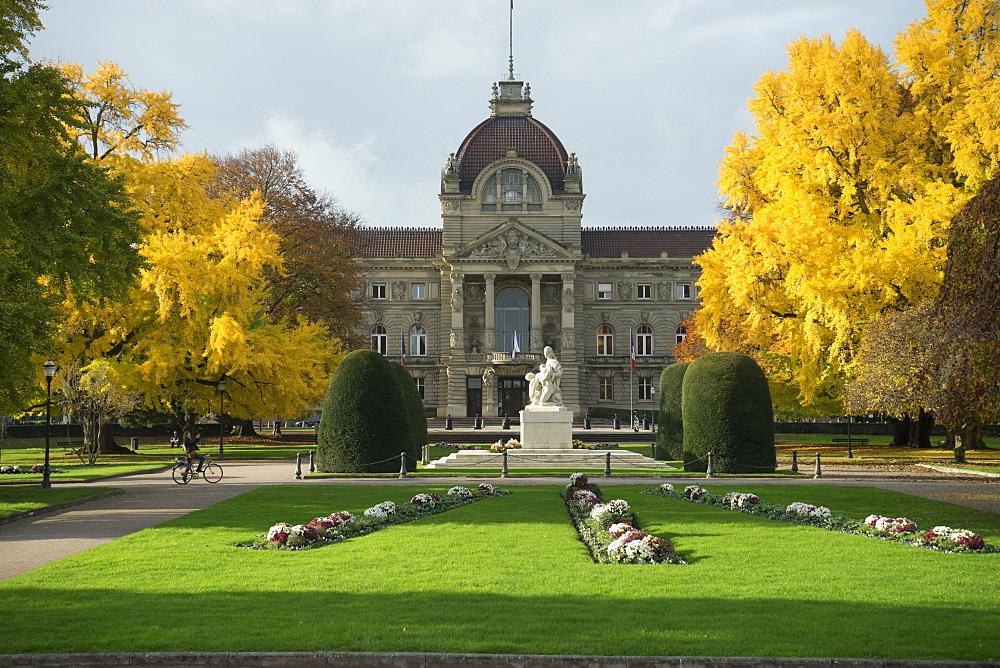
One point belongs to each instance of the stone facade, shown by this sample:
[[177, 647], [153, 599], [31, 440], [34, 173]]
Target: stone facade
[[512, 260]]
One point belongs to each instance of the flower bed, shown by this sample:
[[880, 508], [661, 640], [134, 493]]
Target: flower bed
[[896, 529], [341, 525], [500, 446], [610, 531]]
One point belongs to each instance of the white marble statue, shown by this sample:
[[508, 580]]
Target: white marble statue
[[543, 387]]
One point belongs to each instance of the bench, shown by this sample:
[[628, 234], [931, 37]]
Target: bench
[[851, 441]]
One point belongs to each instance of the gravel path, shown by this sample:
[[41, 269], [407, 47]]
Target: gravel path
[[150, 499]]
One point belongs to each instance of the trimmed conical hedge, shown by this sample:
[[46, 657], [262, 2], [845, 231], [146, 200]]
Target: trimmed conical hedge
[[365, 424], [414, 408], [726, 406], [670, 437]]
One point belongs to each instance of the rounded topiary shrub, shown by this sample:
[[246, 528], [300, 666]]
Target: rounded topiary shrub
[[726, 405], [365, 424], [414, 409], [670, 437]]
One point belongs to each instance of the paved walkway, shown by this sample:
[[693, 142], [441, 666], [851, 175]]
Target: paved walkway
[[150, 499]]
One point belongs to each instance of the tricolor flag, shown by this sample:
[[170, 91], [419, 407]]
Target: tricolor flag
[[516, 349], [631, 343], [402, 358]]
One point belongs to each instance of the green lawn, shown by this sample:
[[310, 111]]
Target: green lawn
[[509, 575], [18, 499]]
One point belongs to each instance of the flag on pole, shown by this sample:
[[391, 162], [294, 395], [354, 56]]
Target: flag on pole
[[631, 343], [402, 358], [515, 349]]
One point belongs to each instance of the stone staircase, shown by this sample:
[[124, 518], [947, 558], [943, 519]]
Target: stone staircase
[[523, 458]]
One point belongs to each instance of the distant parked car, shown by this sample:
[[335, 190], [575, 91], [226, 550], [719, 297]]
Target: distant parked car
[[309, 422]]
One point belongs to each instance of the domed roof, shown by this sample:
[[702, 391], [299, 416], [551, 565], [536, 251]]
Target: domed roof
[[490, 140]]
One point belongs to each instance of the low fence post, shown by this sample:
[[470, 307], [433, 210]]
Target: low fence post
[[818, 473], [795, 460], [426, 455], [504, 470], [298, 466], [607, 464], [402, 464], [710, 469], [312, 461]]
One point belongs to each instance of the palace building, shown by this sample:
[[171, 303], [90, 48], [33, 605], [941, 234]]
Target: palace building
[[512, 270]]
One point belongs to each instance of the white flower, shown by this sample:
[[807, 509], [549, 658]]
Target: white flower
[[279, 528], [382, 510], [463, 492], [618, 530], [486, 487], [666, 487], [804, 509], [596, 511], [619, 506]]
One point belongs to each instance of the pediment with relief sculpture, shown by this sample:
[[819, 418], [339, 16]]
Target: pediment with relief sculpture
[[513, 242]]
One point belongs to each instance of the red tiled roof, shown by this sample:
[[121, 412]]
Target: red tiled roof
[[490, 140], [398, 241], [646, 241]]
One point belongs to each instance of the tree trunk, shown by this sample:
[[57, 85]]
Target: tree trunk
[[244, 428], [949, 439], [900, 430], [921, 435], [974, 437]]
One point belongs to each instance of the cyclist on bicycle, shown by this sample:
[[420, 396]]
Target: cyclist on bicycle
[[191, 449]]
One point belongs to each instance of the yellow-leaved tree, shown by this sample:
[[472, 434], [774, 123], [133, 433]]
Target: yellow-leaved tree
[[200, 312], [840, 200]]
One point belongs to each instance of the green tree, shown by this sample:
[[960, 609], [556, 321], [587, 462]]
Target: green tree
[[414, 409], [67, 231], [727, 411], [365, 424], [670, 437]]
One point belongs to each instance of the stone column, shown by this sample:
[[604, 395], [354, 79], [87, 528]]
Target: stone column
[[568, 323], [490, 325], [536, 313], [457, 313], [571, 390]]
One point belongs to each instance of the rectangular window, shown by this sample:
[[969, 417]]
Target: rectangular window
[[418, 291], [644, 291], [684, 291], [607, 392], [378, 290], [421, 387], [645, 389], [604, 291]]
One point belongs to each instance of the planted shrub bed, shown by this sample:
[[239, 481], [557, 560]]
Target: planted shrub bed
[[894, 529], [342, 525], [611, 530]]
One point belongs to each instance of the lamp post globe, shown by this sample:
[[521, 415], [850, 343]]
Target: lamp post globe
[[50, 370], [222, 403]]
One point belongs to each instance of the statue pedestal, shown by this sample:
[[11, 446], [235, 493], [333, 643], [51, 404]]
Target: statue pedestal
[[547, 428]]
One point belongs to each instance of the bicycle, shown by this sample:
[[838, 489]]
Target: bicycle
[[182, 472]]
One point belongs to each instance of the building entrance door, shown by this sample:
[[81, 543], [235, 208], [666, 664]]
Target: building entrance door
[[473, 396], [513, 396]]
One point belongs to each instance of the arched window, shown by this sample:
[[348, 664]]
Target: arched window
[[512, 312], [418, 341], [644, 340], [605, 340], [380, 339], [681, 333], [511, 187]]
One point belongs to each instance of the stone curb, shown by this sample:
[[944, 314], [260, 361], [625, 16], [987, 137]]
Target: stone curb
[[7, 519], [427, 659], [948, 469]]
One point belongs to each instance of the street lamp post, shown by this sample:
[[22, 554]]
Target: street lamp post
[[50, 370], [222, 403]]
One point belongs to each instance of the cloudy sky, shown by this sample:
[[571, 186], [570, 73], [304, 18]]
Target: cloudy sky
[[374, 94]]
